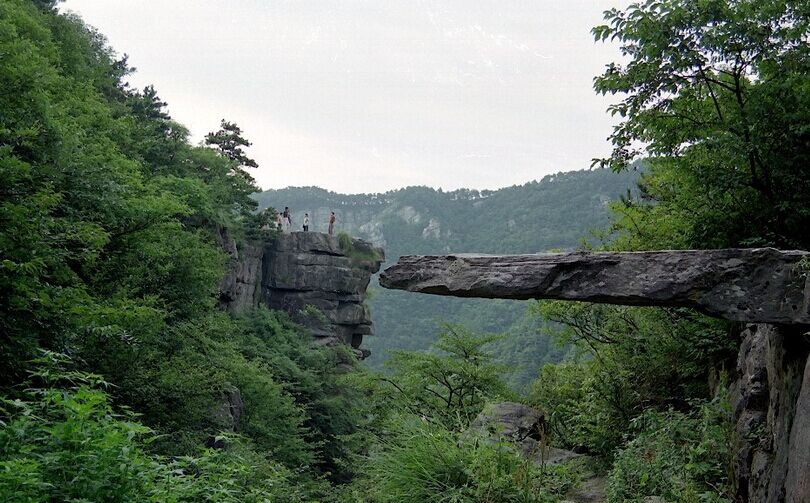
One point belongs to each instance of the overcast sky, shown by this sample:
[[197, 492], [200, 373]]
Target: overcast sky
[[372, 95]]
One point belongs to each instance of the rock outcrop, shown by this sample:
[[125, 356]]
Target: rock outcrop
[[766, 288], [751, 285], [525, 428], [521, 425], [771, 400], [320, 283], [241, 286]]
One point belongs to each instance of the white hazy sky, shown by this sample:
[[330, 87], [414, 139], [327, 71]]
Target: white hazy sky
[[371, 95]]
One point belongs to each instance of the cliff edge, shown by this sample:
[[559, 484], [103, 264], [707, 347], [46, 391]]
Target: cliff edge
[[319, 280]]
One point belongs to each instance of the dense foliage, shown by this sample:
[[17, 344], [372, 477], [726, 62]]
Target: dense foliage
[[716, 94], [110, 231], [422, 448], [630, 360], [428, 463], [64, 442]]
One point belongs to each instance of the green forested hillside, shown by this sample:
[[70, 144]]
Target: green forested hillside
[[557, 212], [118, 372]]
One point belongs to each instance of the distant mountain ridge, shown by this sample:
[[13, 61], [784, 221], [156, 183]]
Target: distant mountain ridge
[[522, 218], [555, 212]]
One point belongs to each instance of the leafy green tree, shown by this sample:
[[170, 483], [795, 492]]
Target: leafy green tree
[[631, 359], [47, 4], [450, 384], [109, 223], [717, 94]]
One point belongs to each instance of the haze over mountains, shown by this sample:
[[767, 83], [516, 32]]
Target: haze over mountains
[[554, 213]]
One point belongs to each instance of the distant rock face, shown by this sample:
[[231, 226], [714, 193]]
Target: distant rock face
[[751, 285], [311, 277]]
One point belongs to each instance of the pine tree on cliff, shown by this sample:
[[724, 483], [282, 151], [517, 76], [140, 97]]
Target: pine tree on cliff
[[229, 143]]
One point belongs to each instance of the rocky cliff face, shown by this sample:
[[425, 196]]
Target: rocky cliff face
[[771, 400], [767, 289], [320, 283]]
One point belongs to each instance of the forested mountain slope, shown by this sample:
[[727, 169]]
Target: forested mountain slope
[[556, 212], [118, 373]]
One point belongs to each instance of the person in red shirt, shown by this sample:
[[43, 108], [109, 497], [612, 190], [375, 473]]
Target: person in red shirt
[[332, 223]]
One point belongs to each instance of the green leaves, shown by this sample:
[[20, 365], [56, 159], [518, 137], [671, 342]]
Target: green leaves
[[424, 462], [64, 442], [451, 384], [704, 88], [677, 456]]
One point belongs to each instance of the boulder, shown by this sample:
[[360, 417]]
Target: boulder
[[227, 411], [521, 425], [751, 285]]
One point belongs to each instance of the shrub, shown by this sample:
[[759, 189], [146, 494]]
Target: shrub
[[424, 462], [357, 253], [677, 456], [634, 359], [64, 442], [452, 383]]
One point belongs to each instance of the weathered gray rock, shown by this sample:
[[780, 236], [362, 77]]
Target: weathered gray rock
[[752, 285], [511, 420], [772, 411], [308, 275], [521, 425], [240, 288], [772, 407], [797, 485], [227, 412]]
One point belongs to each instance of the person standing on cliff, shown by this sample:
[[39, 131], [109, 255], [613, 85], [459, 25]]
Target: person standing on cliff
[[285, 216], [306, 222], [332, 223]]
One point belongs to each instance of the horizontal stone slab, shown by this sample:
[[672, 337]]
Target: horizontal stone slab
[[761, 285]]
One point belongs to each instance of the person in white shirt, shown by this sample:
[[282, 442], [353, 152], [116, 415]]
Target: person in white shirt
[[306, 222]]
